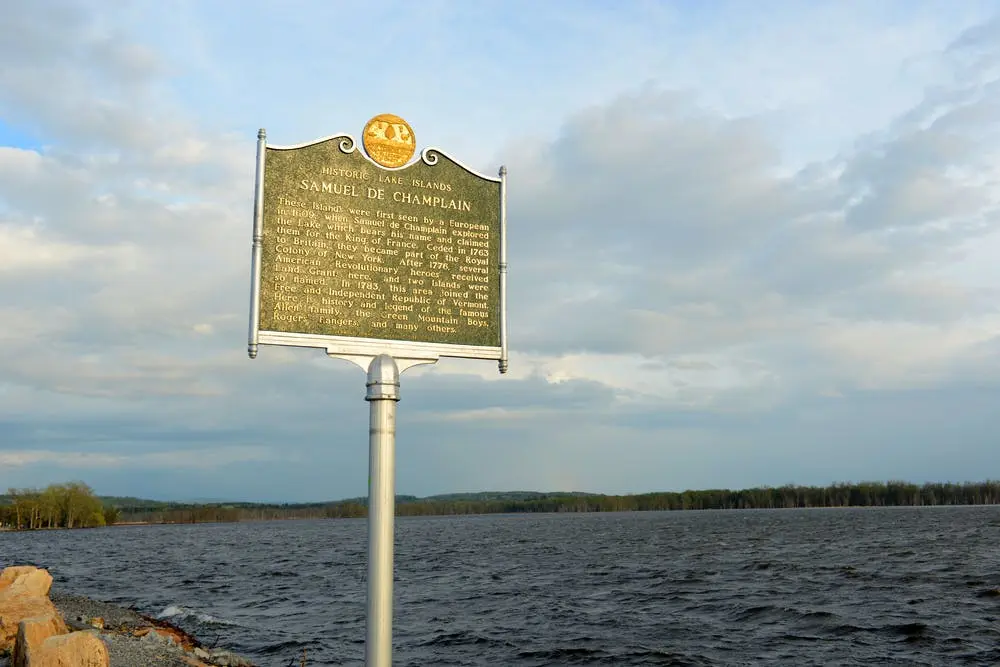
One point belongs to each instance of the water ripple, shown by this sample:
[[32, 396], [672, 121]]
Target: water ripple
[[901, 586]]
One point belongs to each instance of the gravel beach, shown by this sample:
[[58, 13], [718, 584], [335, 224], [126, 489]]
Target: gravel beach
[[136, 640]]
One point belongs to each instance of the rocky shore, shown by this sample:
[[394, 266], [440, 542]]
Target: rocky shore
[[39, 629]]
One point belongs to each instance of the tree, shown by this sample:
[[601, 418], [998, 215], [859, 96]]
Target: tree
[[111, 515], [50, 505], [78, 505]]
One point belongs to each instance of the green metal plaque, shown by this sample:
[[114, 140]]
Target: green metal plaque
[[352, 249]]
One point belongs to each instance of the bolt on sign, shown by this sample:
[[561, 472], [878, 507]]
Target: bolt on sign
[[366, 249]]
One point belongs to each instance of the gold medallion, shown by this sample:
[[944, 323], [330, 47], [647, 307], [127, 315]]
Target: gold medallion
[[389, 140]]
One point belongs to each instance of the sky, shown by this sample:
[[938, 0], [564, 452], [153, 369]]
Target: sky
[[749, 243]]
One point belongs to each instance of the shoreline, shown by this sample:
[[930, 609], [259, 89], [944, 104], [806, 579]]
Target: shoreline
[[33, 615], [137, 639], [445, 515]]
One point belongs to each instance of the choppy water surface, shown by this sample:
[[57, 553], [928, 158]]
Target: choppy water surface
[[796, 587]]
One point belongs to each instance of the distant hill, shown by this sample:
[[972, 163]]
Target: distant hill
[[130, 509], [131, 502], [502, 496]]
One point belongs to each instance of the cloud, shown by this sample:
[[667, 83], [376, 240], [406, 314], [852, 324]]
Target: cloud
[[181, 459], [24, 248], [98, 72], [671, 230]]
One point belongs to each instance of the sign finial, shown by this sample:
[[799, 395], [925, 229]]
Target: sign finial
[[389, 140]]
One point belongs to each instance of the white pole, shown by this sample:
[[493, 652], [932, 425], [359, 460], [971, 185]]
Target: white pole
[[382, 395]]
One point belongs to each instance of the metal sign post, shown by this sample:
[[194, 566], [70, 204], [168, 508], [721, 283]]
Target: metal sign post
[[382, 395], [385, 262]]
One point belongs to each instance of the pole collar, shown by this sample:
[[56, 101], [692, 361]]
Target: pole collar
[[383, 379]]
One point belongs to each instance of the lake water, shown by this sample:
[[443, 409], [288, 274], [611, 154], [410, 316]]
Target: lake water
[[904, 586]]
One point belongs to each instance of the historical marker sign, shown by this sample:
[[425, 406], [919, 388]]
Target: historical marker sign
[[388, 262], [361, 253]]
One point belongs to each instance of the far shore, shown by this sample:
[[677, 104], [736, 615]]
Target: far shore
[[126, 524], [37, 510]]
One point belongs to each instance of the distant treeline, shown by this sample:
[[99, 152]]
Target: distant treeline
[[71, 505], [74, 505], [865, 494]]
